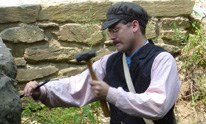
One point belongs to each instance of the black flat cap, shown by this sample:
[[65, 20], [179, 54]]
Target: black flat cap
[[127, 11]]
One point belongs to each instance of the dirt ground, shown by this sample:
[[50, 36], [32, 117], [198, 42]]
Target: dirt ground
[[185, 112]]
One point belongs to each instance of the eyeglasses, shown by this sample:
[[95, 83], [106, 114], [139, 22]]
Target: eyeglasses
[[115, 30]]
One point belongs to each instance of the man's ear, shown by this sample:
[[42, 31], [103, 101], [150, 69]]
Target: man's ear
[[135, 26]]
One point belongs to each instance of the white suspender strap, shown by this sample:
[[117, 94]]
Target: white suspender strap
[[127, 75], [130, 84]]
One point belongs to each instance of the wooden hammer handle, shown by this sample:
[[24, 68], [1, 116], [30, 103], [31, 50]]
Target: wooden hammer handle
[[103, 103], [105, 108], [89, 65]]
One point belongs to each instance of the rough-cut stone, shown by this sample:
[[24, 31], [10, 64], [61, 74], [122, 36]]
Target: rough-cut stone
[[24, 33], [78, 12], [20, 62], [51, 54], [174, 37], [74, 12], [167, 8], [47, 24], [95, 38], [170, 48], [7, 25], [26, 14], [108, 43], [10, 105], [88, 34], [151, 30], [7, 65], [28, 74], [70, 71], [101, 53], [178, 22]]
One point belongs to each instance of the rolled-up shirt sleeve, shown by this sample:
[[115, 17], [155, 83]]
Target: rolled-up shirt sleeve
[[160, 96], [72, 91]]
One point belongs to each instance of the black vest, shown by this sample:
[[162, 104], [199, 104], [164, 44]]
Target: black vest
[[140, 71]]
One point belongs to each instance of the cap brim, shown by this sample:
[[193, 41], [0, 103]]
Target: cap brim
[[109, 23]]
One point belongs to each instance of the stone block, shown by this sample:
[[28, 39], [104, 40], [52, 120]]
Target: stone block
[[174, 37], [87, 34], [4, 26], [152, 29], [167, 8], [74, 12], [96, 11], [24, 33], [174, 50], [101, 53], [26, 14], [70, 71], [175, 23], [95, 38], [50, 54], [47, 24], [20, 62], [108, 43], [29, 74]]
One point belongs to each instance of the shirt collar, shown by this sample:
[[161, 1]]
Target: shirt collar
[[128, 58]]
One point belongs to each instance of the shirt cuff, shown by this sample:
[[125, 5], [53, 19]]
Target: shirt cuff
[[43, 93], [112, 95]]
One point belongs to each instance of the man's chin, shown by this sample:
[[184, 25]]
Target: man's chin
[[120, 50]]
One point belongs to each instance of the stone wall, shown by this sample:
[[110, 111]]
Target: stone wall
[[44, 37]]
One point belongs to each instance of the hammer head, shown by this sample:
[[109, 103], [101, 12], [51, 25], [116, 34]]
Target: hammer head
[[86, 56]]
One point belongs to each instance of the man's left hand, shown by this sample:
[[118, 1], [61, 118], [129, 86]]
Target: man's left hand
[[100, 89]]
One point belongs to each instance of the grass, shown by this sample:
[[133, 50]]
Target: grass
[[38, 113]]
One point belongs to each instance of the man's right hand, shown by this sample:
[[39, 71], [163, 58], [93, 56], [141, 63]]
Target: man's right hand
[[31, 90]]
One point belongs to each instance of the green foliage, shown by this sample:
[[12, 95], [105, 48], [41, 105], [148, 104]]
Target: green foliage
[[178, 35], [199, 95], [194, 63], [41, 114], [194, 52]]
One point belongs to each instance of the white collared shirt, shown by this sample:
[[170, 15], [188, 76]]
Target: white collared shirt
[[154, 103]]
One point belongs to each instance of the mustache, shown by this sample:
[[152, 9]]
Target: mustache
[[116, 42]]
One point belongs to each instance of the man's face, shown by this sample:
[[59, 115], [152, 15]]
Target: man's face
[[122, 36]]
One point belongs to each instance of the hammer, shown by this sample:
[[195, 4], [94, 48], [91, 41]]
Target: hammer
[[86, 57]]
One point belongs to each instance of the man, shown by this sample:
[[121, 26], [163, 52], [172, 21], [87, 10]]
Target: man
[[152, 69]]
